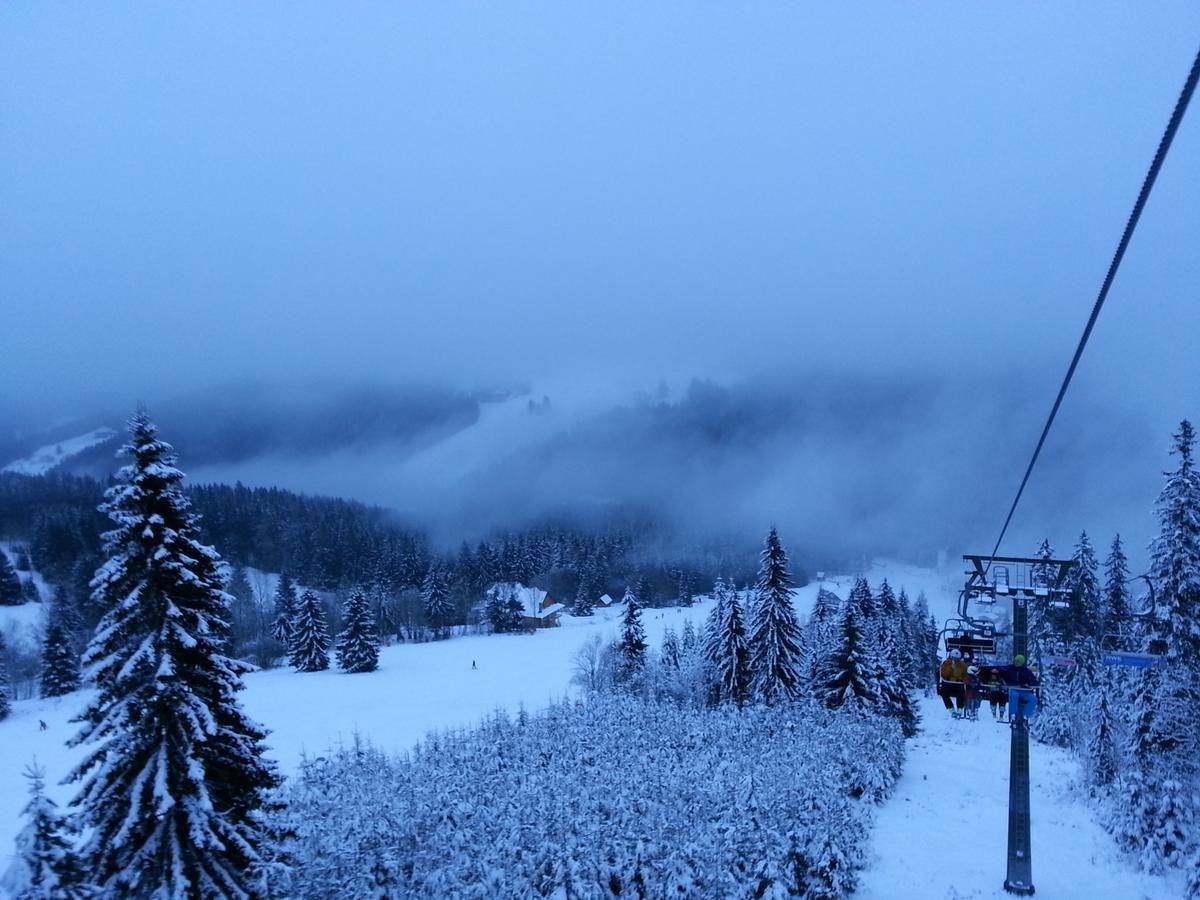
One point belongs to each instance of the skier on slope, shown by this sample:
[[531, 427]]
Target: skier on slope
[[950, 682]]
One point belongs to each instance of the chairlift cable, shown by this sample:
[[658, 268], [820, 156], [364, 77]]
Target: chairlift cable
[[1164, 145]]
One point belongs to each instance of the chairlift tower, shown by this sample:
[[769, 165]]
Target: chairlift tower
[[1025, 580]]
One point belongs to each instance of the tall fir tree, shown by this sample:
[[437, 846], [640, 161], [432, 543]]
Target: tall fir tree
[[866, 611], [495, 610], [844, 678], [172, 788], [725, 649], [358, 643], [310, 635], [644, 591], [820, 629], [10, 585], [894, 687], [1101, 749], [632, 646], [285, 612], [60, 664], [1156, 810], [435, 599], [1115, 606], [685, 597], [585, 593], [1083, 582], [45, 866], [775, 641], [1175, 565]]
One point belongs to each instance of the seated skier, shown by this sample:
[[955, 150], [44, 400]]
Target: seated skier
[[1019, 674], [950, 682], [997, 693], [972, 692], [1022, 703]]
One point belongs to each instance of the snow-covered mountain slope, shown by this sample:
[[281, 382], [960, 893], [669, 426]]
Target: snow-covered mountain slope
[[53, 455], [944, 832]]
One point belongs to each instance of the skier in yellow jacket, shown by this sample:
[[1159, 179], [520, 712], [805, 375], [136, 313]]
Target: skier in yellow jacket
[[952, 676]]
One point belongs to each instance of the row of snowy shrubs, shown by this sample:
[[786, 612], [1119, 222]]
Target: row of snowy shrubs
[[616, 797]]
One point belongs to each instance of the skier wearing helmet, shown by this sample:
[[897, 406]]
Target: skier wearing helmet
[[950, 682]]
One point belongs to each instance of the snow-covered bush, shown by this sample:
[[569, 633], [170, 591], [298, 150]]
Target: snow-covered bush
[[618, 796]]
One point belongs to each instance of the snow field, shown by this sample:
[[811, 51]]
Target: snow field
[[944, 832], [418, 687]]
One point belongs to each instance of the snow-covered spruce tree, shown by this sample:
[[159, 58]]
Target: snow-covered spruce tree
[[888, 604], [173, 785], [633, 641], [1074, 687], [725, 650], [1153, 810], [774, 641], [1156, 799], [514, 612], [1101, 753], [310, 635], [913, 636], [358, 643], [60, 665], [866, 610], [10, 584], [494, 610], [285, 612], [1175, 569], [435, 600], [844, 677], [5, 695], [895, 689], [45, 865], [669, 654], [585, 593], [685, 597], [820, 628], [644, 591], [1115, 606]]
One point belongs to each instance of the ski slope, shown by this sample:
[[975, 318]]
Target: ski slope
[[944, 832], [46, 458]]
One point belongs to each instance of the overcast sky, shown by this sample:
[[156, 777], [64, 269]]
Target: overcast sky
[[591, 194]]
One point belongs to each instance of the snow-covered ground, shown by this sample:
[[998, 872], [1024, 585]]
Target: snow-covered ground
[[46, 458], [944, 832], [418, 687]]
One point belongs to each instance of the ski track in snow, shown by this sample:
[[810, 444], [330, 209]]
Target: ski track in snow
[[944, 833]]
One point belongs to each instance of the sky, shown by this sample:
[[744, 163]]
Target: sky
[[592, 198]]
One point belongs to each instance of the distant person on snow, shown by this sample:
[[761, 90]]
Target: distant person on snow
[[950, 682]]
